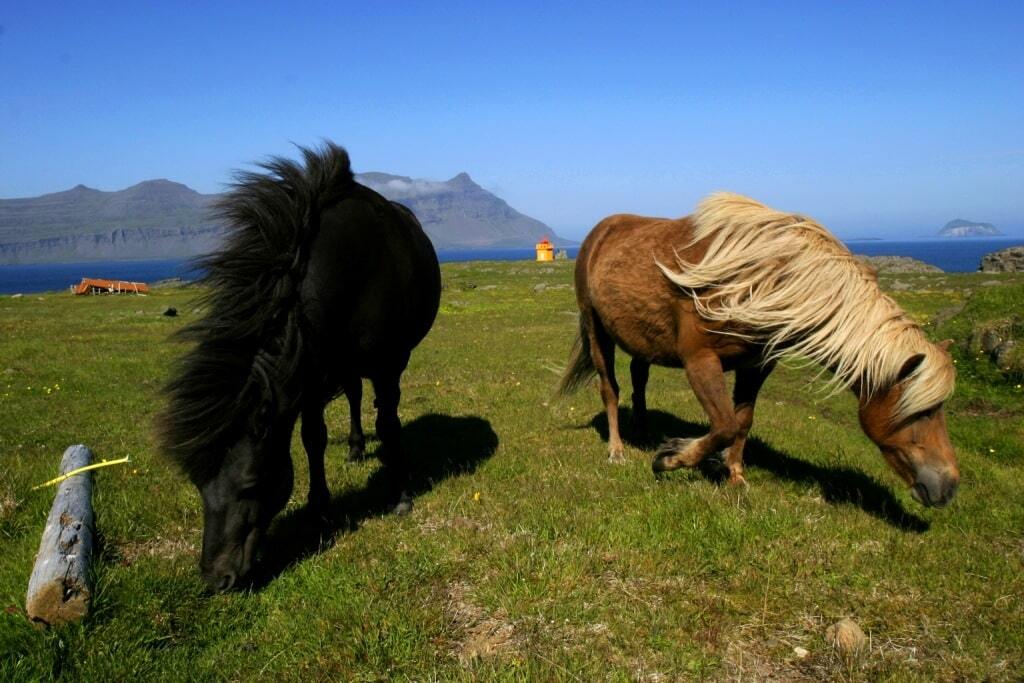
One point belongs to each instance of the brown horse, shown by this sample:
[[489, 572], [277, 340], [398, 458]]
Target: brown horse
[[751, 285]]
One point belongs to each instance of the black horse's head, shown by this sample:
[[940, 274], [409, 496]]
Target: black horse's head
[[240, 499]]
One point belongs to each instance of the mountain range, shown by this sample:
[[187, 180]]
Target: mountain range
[[161, 219]]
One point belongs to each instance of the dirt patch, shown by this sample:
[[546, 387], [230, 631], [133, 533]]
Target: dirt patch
[[751, 660], [979, 408], [159, 547], [482, 635], [432, 525], [7, 505]]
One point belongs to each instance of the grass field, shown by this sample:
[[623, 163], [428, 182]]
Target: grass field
[[527, 556]]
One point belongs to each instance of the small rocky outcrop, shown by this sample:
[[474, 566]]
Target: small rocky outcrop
[[960, 228], [1010, 260], [999, 340], [899, 264]]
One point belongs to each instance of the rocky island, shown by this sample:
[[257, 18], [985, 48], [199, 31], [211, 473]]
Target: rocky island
[[961, 228]]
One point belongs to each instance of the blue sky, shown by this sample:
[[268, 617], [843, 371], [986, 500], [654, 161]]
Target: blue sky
[[884, 119]]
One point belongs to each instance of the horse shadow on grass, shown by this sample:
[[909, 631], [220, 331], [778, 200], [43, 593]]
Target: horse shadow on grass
[[437, 447], [838, 485]]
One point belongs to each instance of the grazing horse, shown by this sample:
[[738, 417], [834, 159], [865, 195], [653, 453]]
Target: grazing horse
[[734, 287], [320, 283]]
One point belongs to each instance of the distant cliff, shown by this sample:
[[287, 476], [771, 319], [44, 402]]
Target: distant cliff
[[459, 213], [161, 219], [961, 228], [152, 220]]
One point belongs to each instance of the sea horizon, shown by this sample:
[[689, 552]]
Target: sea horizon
[[952, 255]]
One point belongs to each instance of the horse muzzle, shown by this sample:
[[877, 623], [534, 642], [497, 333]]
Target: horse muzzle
[[934, 488], [232, 566]]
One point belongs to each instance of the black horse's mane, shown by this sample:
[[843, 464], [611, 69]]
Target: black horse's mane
[[251, 335]]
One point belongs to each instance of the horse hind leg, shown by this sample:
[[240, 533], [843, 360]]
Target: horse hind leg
[[707, 380], [356, 440], [314, 441], [602, 351], [639, 372], [389, 429]]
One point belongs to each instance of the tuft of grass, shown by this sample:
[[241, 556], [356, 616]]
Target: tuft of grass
[[527, 557]]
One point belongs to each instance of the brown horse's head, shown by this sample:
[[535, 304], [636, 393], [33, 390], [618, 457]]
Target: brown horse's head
[[917, 447]]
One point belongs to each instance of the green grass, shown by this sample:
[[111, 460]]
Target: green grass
[[527, 557]]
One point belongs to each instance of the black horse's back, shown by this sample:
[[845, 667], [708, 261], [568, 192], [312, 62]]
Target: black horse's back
[[389, 285]]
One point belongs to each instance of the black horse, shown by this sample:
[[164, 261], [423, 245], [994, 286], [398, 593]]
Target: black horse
[[320, 283]]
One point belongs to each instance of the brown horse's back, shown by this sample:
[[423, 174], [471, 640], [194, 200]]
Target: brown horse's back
[[620, 288]]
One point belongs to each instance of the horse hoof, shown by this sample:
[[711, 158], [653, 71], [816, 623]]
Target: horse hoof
[[738, 481], [666, 457], [673, 446], [319, 503], [616, 457], [356, 453], [403, 507]]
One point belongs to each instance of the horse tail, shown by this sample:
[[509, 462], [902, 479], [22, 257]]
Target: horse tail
[[581, 364]]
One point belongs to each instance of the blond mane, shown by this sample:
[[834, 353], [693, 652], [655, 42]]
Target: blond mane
[[785, 281]]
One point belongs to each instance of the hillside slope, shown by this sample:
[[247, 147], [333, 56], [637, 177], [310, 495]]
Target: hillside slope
[[163, 219]]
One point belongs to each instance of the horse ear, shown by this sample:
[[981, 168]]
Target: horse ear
[[910, 366], [945, 344]]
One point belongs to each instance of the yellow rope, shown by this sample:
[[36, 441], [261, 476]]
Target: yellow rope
[[94, 466]]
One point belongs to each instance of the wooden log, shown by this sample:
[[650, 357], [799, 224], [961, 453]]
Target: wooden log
[[60, 588]]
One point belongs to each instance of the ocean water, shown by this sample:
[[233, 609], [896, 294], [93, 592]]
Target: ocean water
[[951, 255]]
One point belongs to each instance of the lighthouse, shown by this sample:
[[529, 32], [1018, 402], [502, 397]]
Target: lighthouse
[[545, 250]]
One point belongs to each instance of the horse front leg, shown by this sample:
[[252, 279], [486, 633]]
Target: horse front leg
[[707, 379], [744, 396], [314, 440], [389, 429], [356, 441]]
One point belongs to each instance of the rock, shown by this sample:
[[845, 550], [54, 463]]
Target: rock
[[1005, 356], [992, 339], [1010, 260], [846, 636], [899, 264], [1000, 341], [900, 285], [171, 312], [800, 652], [540, 287]]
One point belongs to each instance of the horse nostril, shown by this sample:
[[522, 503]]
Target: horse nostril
[[226, 582], [920, 494]]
